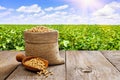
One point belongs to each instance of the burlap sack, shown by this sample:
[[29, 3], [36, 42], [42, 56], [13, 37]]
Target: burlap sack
[[44, 45]]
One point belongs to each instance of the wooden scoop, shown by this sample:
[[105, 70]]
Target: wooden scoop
[[22, 58]]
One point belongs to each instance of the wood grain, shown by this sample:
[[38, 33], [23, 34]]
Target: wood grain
[[79, 65], [113, 57], [58, 70], [22, 74], [7, 63], [89, 65]]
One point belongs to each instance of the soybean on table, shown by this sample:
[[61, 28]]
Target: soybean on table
[[79, 65]]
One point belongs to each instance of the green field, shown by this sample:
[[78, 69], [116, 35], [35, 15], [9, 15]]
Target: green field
[[71, 37]]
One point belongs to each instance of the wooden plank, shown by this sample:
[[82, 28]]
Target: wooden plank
[[7, 63], [58, 71], [89, 65], [23, 74], [113, 57]]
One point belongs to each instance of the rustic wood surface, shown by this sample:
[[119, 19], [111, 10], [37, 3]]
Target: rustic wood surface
[[89, 65], [7, 63], [21, 73], [79, 65], [113, 57]]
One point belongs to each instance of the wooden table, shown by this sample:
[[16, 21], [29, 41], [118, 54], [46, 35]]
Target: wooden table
[[79, 65]]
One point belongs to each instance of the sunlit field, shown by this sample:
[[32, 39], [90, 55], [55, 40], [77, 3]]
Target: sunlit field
[[71, 37]]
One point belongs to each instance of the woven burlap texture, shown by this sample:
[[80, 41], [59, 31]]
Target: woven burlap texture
[[44, 45]]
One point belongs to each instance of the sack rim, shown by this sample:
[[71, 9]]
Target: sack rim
[[40, 32]]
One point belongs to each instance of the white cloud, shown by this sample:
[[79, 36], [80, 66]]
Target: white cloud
[[30, 9], [2, 8], [115, 5], [115, 19], [57, 8], [61, 18], [49, 9], [57, 16], [38, 14], [108, 9], [109, 14], [61, 13], [10, 9], [61, 7], [3, 14]]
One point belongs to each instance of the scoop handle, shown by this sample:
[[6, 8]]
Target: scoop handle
[[20, 57]]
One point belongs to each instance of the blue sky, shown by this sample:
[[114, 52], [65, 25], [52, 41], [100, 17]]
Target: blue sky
[[60, 11]]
